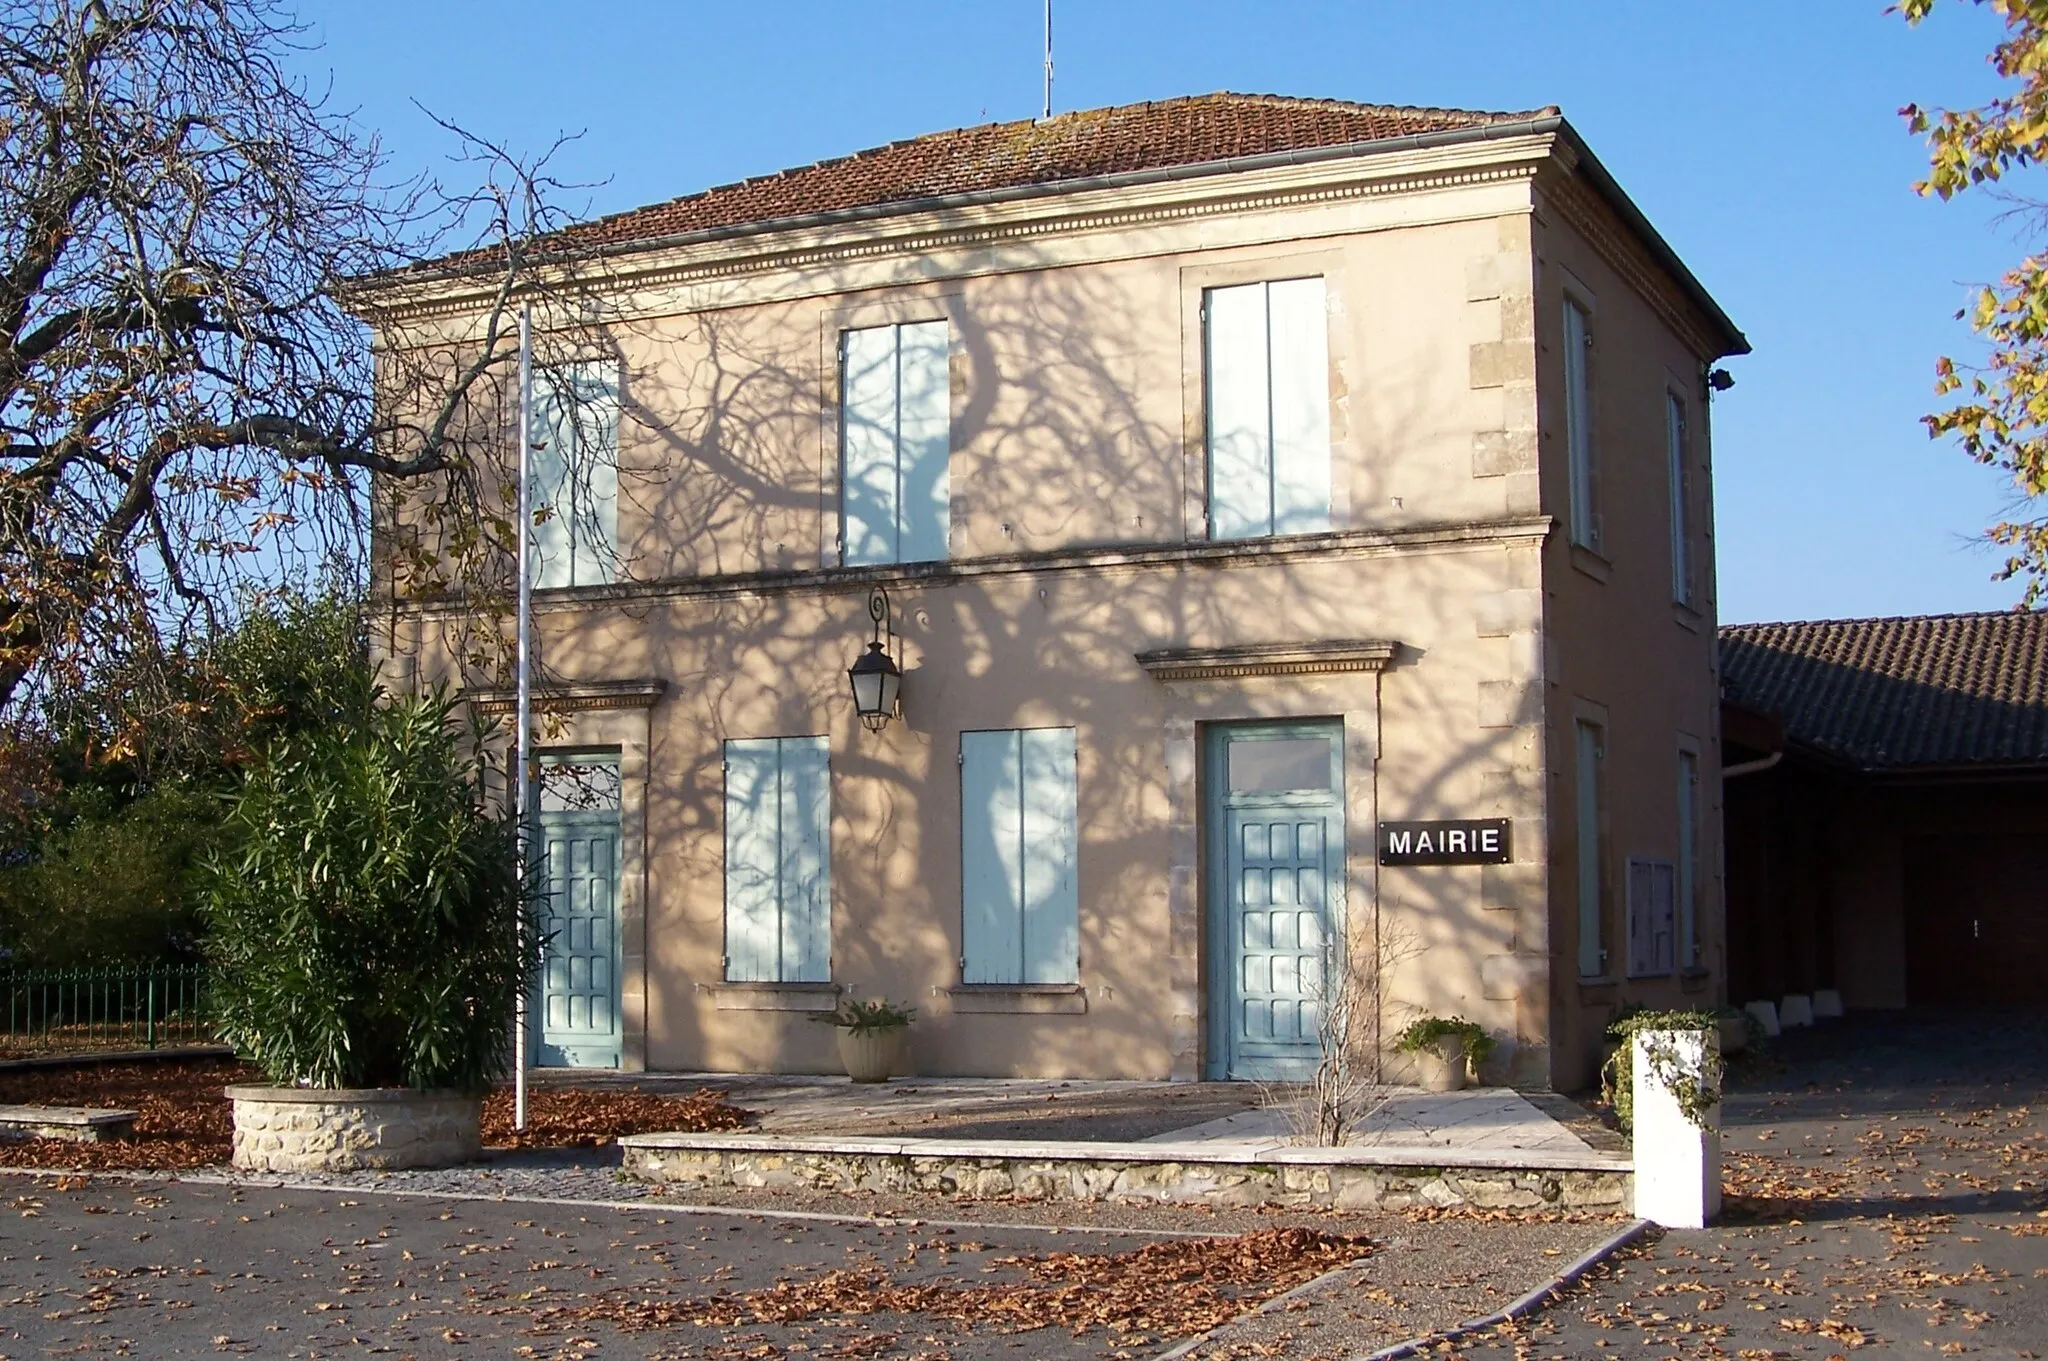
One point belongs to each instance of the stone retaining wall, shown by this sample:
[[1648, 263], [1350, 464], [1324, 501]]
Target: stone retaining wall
[[1342, 1185], [292, 1129]]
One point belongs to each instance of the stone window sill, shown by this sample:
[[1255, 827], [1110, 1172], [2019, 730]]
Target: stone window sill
[[772, 996], [1019, 999], [1592, 563], [1598, 988], [1687, 617], [1694, 978]]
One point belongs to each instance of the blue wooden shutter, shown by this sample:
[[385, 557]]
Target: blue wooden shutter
[[1051, 929], [867, 413], [594, 475], [752, 860], [924, 437], [1591, 960], [806, 861], [554, 431], [1578, 425], [991, 859], [1299, 334], [1240, 411]]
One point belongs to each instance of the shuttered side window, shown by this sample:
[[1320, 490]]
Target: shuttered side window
[[778, 862], [575, 467], [1681, 498], [895, 420], [1592, 757], [1688, 859], [1019, 904], [1267, 361], [1578, 424], [1652, 929]]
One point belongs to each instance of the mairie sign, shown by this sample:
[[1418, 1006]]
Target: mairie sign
[[1482, 841]]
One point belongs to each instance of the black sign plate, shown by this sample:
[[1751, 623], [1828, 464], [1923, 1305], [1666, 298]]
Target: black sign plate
[[1482, 841]]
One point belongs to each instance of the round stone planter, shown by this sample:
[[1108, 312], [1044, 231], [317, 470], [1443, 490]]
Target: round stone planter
[[308, 1129], [872, 1055], [1441, 1064]]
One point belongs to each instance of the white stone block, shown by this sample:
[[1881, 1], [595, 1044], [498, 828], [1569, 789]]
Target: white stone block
[[1766, 1014], [1796, 1010], [1827, 1004], [1677, 1163]]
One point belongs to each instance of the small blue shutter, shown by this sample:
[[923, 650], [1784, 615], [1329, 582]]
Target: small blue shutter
[[554, 435], [806, 861], [752, 861], [991, 860], [1298, 329], [594, 474], [924, 436], [1052, 941], [1240, 411], [867, 413]]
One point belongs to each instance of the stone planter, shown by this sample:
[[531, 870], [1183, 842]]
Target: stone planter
[[1441, 1064], [872, 1055], [308, 1129], [1734, 1033]]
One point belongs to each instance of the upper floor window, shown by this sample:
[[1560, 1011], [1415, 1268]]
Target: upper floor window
[[895, 421], [1681, 498], [1578, 424], [1267, 355], [575, 470]]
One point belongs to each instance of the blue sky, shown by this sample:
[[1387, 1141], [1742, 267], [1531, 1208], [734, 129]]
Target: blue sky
[[1761, 137]]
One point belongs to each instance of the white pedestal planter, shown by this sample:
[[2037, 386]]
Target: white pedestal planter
[[872, 1055], [1677, 1162], [309, 1129], [1827, 1004], [1796, 1010], [1766, 1014]]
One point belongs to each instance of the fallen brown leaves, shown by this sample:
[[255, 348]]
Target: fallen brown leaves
[[183, 1118], [1173, 1289], [569, 1117]]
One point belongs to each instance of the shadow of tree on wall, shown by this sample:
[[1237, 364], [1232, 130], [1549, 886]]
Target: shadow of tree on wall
[[1062, 441]]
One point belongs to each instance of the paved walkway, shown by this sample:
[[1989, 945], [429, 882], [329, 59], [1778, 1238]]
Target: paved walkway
[[1487, 1119]]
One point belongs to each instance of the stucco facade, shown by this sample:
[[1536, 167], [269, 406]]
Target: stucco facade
[[1444, 626]]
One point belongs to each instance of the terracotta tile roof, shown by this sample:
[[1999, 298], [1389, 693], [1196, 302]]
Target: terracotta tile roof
[[1936, 690], [1174, 132]]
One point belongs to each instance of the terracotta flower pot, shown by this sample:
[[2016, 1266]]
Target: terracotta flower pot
[[1441, 1064], [872, 1055]]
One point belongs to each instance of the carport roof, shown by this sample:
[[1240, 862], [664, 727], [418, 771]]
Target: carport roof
[[1932, 691]]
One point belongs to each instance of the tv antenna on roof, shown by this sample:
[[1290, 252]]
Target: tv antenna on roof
[[1048, 59]]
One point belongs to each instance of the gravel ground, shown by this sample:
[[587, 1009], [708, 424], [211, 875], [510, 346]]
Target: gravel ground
[[1892, 1179]]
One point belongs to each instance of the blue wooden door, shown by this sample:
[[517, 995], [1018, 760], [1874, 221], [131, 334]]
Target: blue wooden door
[[578, 996], [1276, 893]]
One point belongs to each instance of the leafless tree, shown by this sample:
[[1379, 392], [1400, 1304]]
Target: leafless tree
[[189, 401]]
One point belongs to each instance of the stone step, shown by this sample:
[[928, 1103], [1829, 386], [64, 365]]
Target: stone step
[[77, 1124], [1209, 1172]]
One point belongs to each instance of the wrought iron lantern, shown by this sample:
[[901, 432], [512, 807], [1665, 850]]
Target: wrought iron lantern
[[876, 677]]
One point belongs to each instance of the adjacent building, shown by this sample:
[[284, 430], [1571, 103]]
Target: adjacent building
[[1887, 809], [1292, 524]]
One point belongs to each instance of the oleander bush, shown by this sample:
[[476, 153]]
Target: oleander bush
[[364, 910]]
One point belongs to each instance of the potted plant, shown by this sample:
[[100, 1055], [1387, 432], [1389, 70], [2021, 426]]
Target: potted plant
[[370, 937], [871, 1036], [1447, 1050]]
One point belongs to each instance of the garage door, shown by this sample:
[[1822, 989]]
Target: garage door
[[1976, 920]]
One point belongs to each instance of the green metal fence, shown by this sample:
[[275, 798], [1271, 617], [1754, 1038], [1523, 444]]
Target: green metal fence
[[105, 1007]]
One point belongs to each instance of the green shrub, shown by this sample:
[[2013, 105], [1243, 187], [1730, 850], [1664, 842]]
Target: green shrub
[[878, 1013], [1427, 1030], [365, 910], [111, 884]]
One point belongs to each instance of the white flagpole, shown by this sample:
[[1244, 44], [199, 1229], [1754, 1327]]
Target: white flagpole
[[523, 701]]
